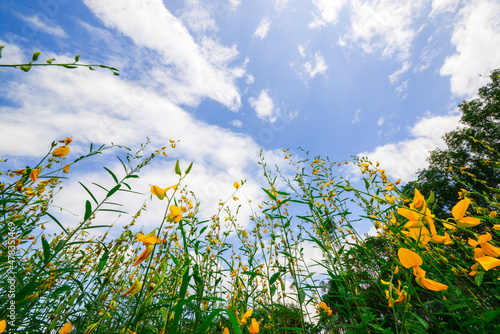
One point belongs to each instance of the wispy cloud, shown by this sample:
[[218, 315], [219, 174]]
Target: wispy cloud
[[264, 107], [356, 118], [187, 71], [327, 12], [263, 28], [51, 29]]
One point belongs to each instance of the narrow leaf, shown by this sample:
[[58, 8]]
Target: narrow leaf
[[77, 57], [91, 195], [1, 47], [112, 191], [188, 169], [112, 174], [88, 210], [69, 66], [102, 262], [46, 250], [57, 222], [177, 168], [49, 61]]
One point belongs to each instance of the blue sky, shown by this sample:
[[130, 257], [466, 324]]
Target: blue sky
[[380, 78]]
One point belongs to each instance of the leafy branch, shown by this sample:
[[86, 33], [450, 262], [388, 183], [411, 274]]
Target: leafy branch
[[50, 62]]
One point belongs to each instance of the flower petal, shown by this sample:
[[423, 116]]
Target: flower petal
[[488, 262], [467, 222], [430, 284], [409, 258], [460, 208]]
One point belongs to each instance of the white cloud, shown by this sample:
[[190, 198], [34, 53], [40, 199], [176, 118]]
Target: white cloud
[[301, 51], [395, 76], [328, 12], [319, 66], [443, 6], [264, 107], [237, 123], [263, 28], [385, 25], [403, 159], [356, 118], [195, 75], [40, 25], [380, 121], [95, 106], [477, 41], [280, 4], [197, 17]]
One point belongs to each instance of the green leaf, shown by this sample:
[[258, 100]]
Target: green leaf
[[46, 250], [208, 321], [25, 68], [1, 47], [112, 174], [188, 169], [274, 278], [112, 191], [69, 66], [431, 198], [479, 278], [102, 262], [88, 210], [57, 222], [35, 56], [49, 61], [91, 68], [367, 184], [77, 57], [91, 195], [177, 168]]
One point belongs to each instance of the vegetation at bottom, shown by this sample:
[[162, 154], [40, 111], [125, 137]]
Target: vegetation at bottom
[[432, 267]]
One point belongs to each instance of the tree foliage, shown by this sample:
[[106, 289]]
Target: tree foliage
[[469, 152]]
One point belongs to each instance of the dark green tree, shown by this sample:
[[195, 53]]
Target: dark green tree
[[470, 149]]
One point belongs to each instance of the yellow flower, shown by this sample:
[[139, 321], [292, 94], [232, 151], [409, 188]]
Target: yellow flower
[[236, 185], [148, 239], [175, 214], [159, 192], [66, 168], [326, 308], [135, 288], [482, 241], [61, 152], [428, 283], [488, 262], [144, 255], [254, 327], [458, 213], [34, 174], [246, 316], [66, 328], [226, 330], [492, 214], [410, 259], [3, 325]]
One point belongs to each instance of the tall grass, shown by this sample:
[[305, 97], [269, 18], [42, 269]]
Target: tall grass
[[420, 274]]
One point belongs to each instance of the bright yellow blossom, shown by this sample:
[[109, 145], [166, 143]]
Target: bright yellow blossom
[[66, 328], [3, 325], [159, 192], [175, 214], [61, 152], [254, 327], [458, 213]]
